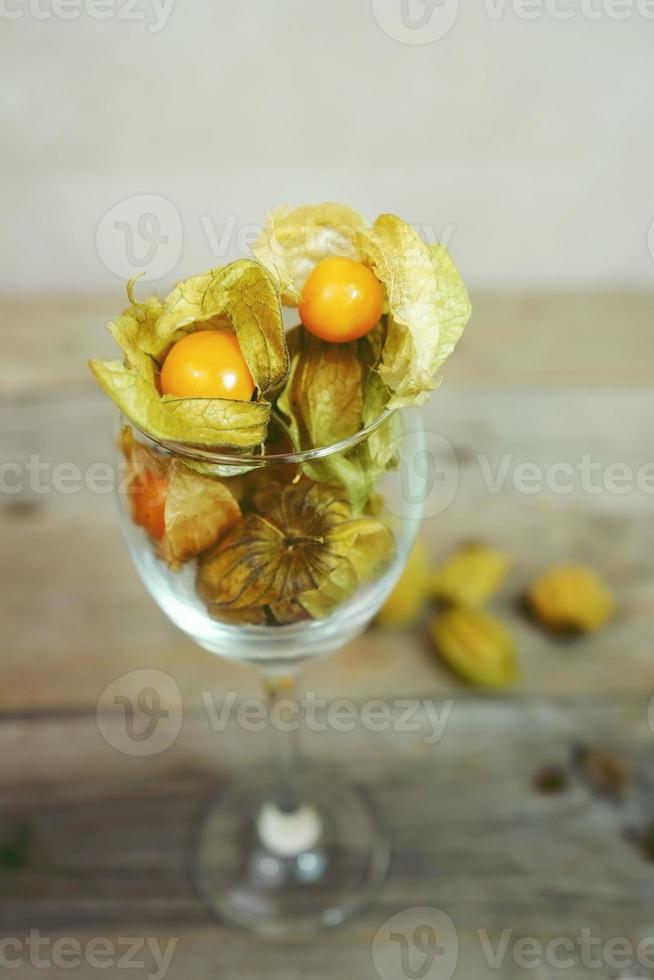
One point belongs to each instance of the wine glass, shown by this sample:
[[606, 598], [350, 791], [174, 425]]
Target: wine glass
[[285, 849]]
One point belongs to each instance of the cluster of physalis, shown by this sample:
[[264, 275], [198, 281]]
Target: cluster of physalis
[[211, 368]]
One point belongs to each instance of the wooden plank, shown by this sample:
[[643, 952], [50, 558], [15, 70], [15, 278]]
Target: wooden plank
[[525, 338], [75, 615], [472, 835], [557, 338], [51, 339]]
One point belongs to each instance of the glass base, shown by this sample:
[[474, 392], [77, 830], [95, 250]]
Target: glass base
[[287, 875]]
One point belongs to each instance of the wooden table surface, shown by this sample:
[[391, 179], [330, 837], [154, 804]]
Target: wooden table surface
[[94, 842]]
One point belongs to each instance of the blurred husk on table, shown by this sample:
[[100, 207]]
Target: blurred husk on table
[[449, 601]]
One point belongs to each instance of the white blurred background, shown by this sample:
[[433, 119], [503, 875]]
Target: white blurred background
[[518, 131]]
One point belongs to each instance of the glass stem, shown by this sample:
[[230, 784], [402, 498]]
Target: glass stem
[[284, 723]]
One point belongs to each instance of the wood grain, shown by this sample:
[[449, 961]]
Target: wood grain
[[542, 380], [472, 835], [524, 338], [75, 615]]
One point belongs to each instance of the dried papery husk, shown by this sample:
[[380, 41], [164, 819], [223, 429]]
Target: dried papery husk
[[240, 296], [302, 546], [471, 576], [477, 646], [571, 598]]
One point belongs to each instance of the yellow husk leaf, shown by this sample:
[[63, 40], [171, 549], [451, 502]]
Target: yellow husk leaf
[[198, 512], [332, 393], [337, 587], [406, 603], [304, 542], [205, 422], [428, 306], [242, 296], [296, 239], [477, 646], [140, 459], [471, 576], [571, 597]]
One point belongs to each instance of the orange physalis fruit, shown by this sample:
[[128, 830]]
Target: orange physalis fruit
[[207, 364], [342, 300]]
